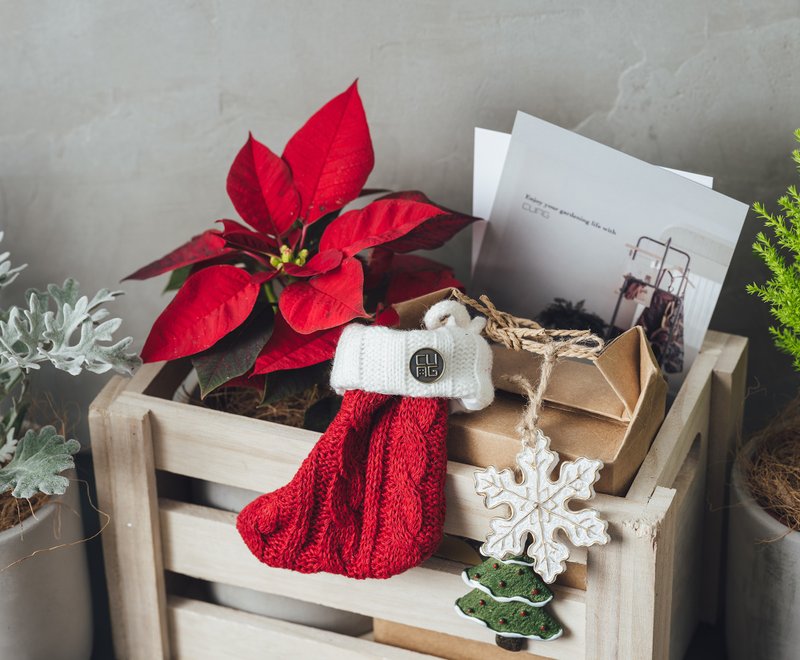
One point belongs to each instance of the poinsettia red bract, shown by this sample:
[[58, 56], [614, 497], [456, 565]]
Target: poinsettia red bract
[[208, 245], [211, 303], [298, 252]]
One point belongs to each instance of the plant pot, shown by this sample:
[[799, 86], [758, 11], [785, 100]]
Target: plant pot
[[763, 578], [45, 601], [230, 498]]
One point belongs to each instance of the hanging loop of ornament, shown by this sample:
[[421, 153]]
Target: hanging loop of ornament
[[521, 334]]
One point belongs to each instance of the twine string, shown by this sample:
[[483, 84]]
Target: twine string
[[57, 528], [521, 334]]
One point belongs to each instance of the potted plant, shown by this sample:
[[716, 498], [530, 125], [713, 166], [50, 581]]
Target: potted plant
[[764, 531], [45, 606], [260, 306]]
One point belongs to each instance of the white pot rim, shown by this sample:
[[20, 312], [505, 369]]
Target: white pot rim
[[42, 515], [775, 528]]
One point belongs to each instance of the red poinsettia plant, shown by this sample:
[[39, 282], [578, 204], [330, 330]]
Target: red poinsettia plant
[[275, 294]]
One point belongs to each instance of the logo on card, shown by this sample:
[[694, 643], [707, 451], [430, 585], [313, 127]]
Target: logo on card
[[427, 365]]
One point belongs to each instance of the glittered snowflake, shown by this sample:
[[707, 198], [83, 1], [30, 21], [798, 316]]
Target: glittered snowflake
[[539, 507]]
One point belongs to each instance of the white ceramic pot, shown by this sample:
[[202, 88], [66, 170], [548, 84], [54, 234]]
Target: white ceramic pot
[[763, 585], [284, 608], [45, 601]]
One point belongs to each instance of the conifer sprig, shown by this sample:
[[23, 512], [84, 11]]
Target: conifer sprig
[[780, 251]]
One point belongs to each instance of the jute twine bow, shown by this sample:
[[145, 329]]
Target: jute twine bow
[[521, 334]]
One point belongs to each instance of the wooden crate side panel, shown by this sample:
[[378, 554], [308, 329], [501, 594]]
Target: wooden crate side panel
[[727, 409], [146, 375], [629, 583], [123, 454], [688, 416], [203, 543], [688, 567], [100, 434], [202, 631]]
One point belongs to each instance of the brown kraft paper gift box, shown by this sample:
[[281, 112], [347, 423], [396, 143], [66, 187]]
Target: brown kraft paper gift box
[[609, 409]]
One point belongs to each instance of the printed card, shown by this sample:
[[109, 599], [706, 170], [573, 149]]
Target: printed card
[[573, 220]]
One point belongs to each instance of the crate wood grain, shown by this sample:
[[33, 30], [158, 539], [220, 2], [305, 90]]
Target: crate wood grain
[[644, 592]]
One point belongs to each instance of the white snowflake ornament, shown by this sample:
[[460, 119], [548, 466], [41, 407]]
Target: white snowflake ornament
[[539, 507]]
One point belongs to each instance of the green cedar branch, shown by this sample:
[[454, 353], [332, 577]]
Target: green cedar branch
[[780, 251]]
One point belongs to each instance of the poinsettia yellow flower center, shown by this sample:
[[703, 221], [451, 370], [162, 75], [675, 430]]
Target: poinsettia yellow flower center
[[287, 255]]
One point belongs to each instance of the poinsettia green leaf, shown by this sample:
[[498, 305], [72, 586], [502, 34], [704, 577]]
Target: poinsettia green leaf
[[281, 384], [321, 413], [234, 354], [177, 277], [41, 456]]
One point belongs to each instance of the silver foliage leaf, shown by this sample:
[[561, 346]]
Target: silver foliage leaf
[[9, 446], [7, 273], [73, 337], [42, 455]]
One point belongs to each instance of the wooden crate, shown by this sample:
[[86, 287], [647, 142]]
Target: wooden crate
[[644, 592]]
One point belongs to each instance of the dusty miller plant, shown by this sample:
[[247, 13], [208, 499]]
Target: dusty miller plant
[[781, 253], [73, 333]]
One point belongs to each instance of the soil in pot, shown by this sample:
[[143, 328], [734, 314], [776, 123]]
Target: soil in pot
[[772, 470], [14, 511]]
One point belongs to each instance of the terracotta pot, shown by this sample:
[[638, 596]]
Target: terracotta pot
[[763, 579], [45, 601]]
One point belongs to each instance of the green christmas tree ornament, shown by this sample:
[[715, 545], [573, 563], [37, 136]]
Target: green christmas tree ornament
[[509, 580], [509, 598]]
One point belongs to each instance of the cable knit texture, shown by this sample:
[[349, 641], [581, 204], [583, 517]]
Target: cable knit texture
[[368, 501]]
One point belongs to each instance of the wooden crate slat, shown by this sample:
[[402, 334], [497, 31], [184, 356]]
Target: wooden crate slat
[[629, 584], [727, 410], [126, 488], [145, 377], [688, 416], [202, 631], [203, 543], [689, 569]]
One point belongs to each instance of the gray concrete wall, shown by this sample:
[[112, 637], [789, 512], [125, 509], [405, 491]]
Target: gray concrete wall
[[119, 120]]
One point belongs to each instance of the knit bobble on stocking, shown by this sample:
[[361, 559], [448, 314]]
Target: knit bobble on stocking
[[368, 501]]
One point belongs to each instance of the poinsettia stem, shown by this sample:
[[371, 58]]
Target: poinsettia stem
[[270, 293], [302, 240]]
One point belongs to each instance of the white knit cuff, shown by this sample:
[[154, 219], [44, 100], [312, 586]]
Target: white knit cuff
[[449, 359]]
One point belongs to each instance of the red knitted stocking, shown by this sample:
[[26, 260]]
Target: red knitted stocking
[[368, 501]]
